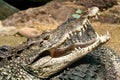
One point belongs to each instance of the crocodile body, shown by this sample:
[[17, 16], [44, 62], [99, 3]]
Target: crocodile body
[[51, 52]]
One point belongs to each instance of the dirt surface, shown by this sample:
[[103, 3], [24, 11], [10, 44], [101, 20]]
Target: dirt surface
[[54, 13], [102, 4], [11, 40]]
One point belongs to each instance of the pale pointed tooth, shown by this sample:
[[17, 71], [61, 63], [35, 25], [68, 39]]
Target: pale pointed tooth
[[73, 51], [68, 37], [92, 47], [71, 34], [97, 34], [82, 50], [100, 35], [75, 33], [79, 48], [87, 21], [108, 33], [80, 34], [76, 49], [88, 49], [85, 26], [83, 29]]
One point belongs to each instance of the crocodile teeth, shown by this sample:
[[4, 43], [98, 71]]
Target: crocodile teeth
[[79, 48], [68, 37], [108, 34], [76, 49], [87, 22], [80, 33], [85, 27], [97, 35], [71, 34], [75, 33], [103, 38]]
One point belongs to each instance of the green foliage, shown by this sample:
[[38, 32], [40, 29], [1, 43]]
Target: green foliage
[[78, 11], [77, 14]]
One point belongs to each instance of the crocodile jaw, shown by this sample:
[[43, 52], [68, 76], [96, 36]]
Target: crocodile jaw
[[48, 66]]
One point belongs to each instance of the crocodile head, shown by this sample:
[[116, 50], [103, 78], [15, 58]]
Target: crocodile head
[[68, 43]]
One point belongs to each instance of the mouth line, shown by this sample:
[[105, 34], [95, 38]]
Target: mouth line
[[54, 53]]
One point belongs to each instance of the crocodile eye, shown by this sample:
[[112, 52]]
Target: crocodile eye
[[47, 37]]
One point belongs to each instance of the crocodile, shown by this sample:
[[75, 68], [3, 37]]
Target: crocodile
[[51, 52]]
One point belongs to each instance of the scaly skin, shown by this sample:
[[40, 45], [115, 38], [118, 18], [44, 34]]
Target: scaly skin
[[111, 61]]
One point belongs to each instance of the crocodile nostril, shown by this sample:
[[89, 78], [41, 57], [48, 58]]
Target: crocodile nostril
[[47, 37]]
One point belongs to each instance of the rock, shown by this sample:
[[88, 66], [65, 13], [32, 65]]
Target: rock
[[7, 31], [43, 18], [51, 15], [93, 11], [28, 32]]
